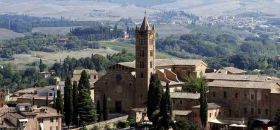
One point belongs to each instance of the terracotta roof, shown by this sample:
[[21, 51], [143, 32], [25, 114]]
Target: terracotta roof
[[241, 84], [210, 106], [184, 95], [241, 77], [168, 62], [232, 70]]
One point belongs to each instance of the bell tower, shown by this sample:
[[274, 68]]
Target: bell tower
[[145, 60]]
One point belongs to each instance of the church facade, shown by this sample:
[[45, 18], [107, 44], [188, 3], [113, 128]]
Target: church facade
[[126, 84]]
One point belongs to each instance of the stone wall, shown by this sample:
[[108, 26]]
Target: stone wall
[[107, 124]]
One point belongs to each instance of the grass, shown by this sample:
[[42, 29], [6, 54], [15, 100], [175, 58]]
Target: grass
[[6, 34], [116, 45]]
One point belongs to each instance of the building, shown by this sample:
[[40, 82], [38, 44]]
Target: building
[[231, 70], [128, 82], [24, 116], [2, 97]]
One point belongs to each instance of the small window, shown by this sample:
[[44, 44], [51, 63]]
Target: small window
[[173, 101], [229, 113], [259, 111], [266, 111], [118, 77], [142, 65], [252, 111], [225, 94], [151, 64], [94, 76], [210, 115], [181, 102], [214, 94], [51, 119], [50, 94], [236, 95], [252, 96], [245, 111], [142, 53], [41, 120], [142, 75]]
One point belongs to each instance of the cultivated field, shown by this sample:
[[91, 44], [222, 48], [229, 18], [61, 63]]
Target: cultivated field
[[52, 30], [6, 34]]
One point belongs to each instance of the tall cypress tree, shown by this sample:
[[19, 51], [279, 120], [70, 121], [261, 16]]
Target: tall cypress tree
[[154, 98], [105, 108], [54, 100], [59, 102], [85, 106], [165, 110], [75, 102], [47, 100], [203, 105], [84, 82], [68, 101]]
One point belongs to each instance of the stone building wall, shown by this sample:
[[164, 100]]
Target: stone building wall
[[183, 104], [241, 102], [119, 86]]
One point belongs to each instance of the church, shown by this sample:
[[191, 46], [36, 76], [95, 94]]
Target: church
[[126, 84]]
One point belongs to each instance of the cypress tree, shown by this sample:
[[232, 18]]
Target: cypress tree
[[59, 102], [105, 108], [84, 82], [47, 100], [68, 102], [85, 105], [154, 98], [203, 105], [54, 101], [165, 110], [277, 120], [75, 102]]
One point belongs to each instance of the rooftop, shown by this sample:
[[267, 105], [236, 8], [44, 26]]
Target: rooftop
[[78, 72], [231, 70], [168, 62], [241, 84], [184, 95], [239, 77]]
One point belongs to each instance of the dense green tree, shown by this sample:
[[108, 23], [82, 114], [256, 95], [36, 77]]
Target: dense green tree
[[105, 108], [42, 66], [193, 84], [183, 125], [86, 108], [165, 117], [154, 98], [68, 101], [277, 120], [203, 105], [84, 82], [59, 102], [47, 100], [75, 102]]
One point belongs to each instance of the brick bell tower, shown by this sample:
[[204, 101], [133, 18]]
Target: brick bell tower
[[145, 60]]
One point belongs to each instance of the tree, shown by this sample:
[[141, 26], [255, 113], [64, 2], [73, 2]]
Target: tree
[[47, 100], [86, 109], [183, 125], [105, 108], [165, 120], [54, 101], [193, 84], [75, 101], [68, 101], [98, 112], [59, 102], [42, 66], [277, 120], [154, 98], [203, 105], [84, 82]]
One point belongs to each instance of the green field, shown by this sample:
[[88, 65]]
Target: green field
[[115, 45]]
